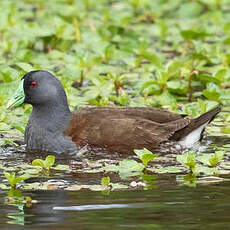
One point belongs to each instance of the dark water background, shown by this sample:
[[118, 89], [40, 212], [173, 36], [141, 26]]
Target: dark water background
[[169, 206]]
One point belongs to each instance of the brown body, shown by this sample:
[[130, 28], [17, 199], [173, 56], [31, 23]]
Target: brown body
[[126, 129]]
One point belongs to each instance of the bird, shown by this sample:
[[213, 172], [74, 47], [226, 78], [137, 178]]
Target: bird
[[53, 128]]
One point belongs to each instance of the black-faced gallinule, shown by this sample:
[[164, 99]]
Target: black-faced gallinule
[[52, 127]]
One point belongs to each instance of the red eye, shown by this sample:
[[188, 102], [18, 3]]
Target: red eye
[[33, 84]]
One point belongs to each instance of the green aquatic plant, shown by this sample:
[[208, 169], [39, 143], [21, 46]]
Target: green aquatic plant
[[188, 159], [145, 155], [105, 181], [45, 164], [13, 179], [106, 185], [126, 168], [211, 160], [191, 159]]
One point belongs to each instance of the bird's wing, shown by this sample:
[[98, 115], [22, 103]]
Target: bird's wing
[[121, 134], [152, 114]]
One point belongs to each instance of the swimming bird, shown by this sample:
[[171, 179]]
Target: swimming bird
[[53, 128]]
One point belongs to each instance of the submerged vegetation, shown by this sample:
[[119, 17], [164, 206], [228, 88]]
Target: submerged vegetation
[[171, 54]]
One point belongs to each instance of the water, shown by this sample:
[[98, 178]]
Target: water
[[169, 206]]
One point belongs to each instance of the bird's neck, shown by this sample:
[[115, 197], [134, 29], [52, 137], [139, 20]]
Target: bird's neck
[[53, 117]]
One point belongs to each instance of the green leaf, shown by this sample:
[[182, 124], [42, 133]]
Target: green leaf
[[130, 166], [19, 127], [221, 75], [109, 52], [178, 87], [192, 34], [45, 164], [188, 159], [202, 104], [25, 66], [212, 92], [153, 58], [211, 159], [38, 162], [62, 167], [96, 187], [10, 177], [168, 169], [225, 129], [167, 99], [119, 186], [145, 155], [7, 73], [208, 78], [4, 187], [13, 180], [174, 69], [105, 181], [216, 158], [20, 178], [190, 9], [49, 161]]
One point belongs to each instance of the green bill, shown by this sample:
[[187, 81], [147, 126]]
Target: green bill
[[18, 97]]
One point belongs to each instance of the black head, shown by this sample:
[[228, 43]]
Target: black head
[[41, 87]]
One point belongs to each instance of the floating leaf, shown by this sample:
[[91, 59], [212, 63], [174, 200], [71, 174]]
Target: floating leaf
[[145, 155], [188, 159], [130, 166], [168, 169], [216, 158], [62, 167], [211, 159], [225, 129], [118, 186]]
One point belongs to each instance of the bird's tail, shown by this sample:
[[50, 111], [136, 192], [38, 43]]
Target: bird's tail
[[193, 132]]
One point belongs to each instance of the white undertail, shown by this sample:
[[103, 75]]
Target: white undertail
[[192, 138]]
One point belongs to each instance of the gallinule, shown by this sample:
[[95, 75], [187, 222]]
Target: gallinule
[[52, 127]]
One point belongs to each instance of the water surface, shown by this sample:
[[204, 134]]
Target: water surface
[[169, 206], [165, 205]]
